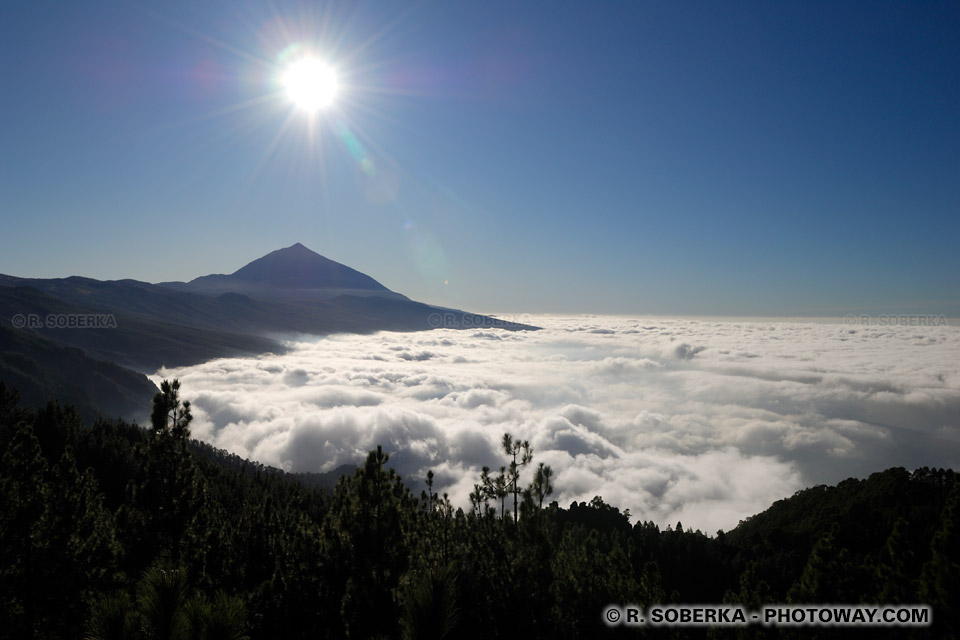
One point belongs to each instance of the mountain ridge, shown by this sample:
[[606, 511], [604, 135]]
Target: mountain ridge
[[154, 326], [291, 273]]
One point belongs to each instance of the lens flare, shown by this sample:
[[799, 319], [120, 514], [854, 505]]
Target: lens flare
[[356, 148]]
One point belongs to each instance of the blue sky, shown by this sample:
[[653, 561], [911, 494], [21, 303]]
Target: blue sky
[[616, 157]]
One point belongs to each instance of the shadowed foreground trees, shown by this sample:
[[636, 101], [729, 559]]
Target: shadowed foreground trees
[[167, 609], [113, 531]]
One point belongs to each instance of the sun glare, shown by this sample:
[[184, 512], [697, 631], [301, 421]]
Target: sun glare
[[310, 84]]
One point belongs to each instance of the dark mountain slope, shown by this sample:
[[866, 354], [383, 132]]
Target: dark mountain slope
[[293, 291], [859, 516], [857, 506], [139, 342], [42, 370], [290, 292]]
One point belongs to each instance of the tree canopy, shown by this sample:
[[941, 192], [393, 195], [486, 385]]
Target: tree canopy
[[110, 530]]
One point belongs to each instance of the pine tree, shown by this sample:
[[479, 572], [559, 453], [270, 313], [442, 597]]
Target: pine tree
[[430, 608], [826, 578], [112, 617], [940, 577], [500, 489], [514, 449], [364, 543], [25, 507], [891, 575], [169, 493], [169, 415], [161, 597], [542, 486], [83, 549]]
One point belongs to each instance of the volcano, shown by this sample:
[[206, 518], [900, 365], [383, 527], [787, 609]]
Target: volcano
[[291, 273]]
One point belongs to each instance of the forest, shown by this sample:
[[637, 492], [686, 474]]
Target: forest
[[114, 530]]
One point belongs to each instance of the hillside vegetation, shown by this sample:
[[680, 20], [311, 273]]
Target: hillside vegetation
[[110, 530]]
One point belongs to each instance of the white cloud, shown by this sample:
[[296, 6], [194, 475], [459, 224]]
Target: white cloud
[[698, 421]]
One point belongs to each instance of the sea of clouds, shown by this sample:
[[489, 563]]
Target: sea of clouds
[[703, 422]]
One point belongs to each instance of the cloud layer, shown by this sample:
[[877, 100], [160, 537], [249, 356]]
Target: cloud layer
[[704, 422]]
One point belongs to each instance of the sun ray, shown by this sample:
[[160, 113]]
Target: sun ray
[[287, 35], [236, 107], [358, 105], [240, 53], [376, 37], [268, 152], [305, 48]]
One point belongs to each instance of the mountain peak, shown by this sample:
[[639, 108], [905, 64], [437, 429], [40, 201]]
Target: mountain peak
[[293, 253], [294, 272], [298, 267], [293, 250]]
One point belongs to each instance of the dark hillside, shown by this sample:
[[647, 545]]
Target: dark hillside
[[99, 521]]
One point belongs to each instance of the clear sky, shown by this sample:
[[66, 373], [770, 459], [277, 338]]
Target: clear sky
[[615, 157]]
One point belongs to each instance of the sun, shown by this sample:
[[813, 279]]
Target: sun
[[311, 84]]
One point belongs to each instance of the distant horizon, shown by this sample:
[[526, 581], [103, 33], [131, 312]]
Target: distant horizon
[[879, 314], [727, 159]]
